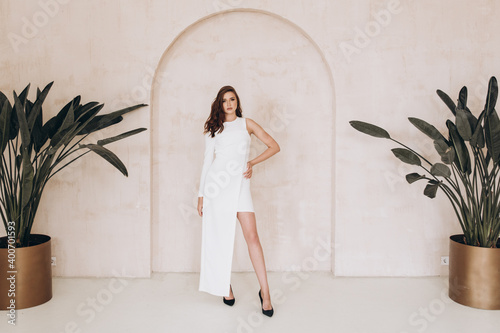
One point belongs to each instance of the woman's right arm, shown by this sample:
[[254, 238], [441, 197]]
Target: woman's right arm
[[207, 161]]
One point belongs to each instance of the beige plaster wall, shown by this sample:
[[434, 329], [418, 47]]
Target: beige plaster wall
[[386, 58], [284, 85]]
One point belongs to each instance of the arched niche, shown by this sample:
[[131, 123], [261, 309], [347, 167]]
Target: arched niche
[[285, 85]]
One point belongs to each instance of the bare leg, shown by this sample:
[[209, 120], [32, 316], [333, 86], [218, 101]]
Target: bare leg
[[249, 228], [231, 296]]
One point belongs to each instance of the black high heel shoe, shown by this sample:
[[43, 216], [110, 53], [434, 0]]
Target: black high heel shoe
[[229, 302], [268, 313]]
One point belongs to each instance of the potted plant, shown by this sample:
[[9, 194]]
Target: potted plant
[[32, 152], [468, 174]]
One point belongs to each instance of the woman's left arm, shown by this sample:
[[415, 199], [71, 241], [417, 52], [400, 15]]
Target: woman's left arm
[[272, 146]]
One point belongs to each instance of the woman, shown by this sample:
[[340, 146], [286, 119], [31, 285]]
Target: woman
[[224, 195]]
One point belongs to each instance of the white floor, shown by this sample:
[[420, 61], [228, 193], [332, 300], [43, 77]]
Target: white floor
[[303, 302]]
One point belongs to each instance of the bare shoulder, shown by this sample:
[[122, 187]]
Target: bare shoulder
[[261, 134], [250, 121], [252, 125]]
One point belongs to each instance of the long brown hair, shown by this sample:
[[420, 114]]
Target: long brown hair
[[215, 122]]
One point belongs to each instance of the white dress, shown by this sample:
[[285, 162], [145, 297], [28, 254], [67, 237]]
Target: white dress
[[225, 192]]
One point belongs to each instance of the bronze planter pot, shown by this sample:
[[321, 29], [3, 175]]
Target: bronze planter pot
[[474, 274], [33, 274]]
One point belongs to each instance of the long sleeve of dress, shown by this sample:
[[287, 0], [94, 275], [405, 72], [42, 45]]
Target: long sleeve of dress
[[207, 161]]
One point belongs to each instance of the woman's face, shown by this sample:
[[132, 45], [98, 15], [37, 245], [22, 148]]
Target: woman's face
[[229, 103]]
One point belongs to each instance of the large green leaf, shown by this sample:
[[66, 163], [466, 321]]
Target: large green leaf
[[43, 173], [100, 122], [472, 119], [3, 98], [28, 106], [431, 189], [449, 156], [492, 95], [88, 117], [447, 100], [69, 119], [444, 150], [406, 156], [5, 115], [442, 170], [84, 112], [477, 139], [66, 131], [413, 177], [492, 135], [426, 128], [38, 136], [62, 138], [27, 178], [23, 123], [108, 155], [14, 123], [462, 98], [441, 146], [53, 125], [461, 153], [370, 129], [37, 106], [119, 137], [463, 124], [24, 94], [4, 121]]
